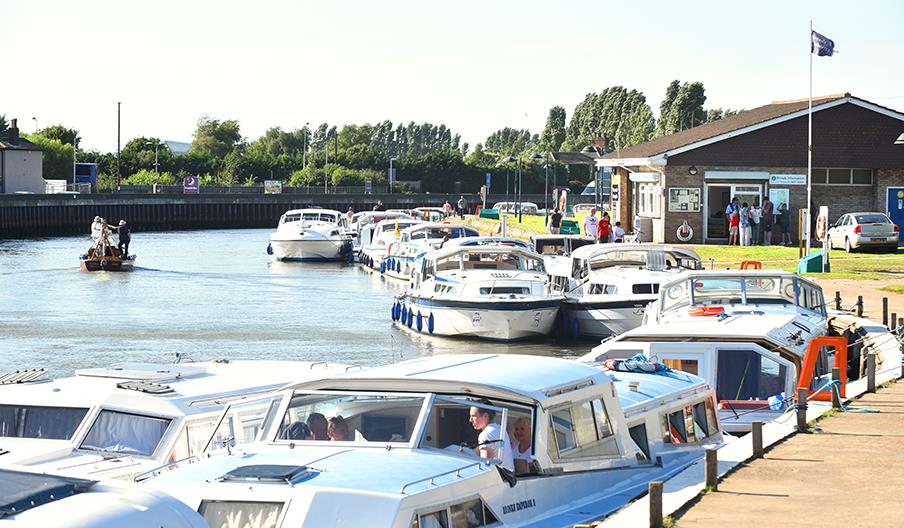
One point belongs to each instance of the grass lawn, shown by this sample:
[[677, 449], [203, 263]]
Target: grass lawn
[[894, 288], [535, 223]]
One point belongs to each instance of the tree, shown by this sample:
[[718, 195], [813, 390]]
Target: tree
[[682, 108], [138, 154], [57, 157], [715, 114], [623, 115], [511, 142], [3, 124], [67, 136], [214, 138], [554, 132]]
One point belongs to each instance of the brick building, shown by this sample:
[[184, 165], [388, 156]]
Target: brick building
[[691, 176]]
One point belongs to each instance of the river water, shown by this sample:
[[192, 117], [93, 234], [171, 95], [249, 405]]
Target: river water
[[204, 295]]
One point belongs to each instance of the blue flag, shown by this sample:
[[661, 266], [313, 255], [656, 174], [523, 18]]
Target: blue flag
[[821, 45]]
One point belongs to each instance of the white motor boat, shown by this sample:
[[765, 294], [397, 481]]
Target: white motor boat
[[426, 443], [748, 333], [556, 251], [416, 241], [376, 239], [612, 284], [120, 421], [489, 291], [310, 235]]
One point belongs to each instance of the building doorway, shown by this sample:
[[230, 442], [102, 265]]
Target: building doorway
[[718, 195]]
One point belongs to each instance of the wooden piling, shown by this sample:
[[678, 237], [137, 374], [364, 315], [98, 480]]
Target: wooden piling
[[756, 435], [885, 312], [655, 503], [859, 306], [894, 317], [802, 409], [871, 373], [712, 468], [836, 388], [837, 300]]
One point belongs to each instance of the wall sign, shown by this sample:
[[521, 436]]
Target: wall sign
[[778, 197], [787, 179], [684, 199]]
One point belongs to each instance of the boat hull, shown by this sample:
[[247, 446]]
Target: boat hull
[[307, 250], [497, 321], [602, 319], [106, 264]]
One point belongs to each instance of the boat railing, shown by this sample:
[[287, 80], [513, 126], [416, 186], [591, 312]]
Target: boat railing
[[431, 479], [153, 472]]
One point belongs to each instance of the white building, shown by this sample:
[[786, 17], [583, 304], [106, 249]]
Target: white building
[[21, 164]]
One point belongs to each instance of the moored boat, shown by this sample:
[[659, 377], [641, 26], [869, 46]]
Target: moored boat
[[310, 235]]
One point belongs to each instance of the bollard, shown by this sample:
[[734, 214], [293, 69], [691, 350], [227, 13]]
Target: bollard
[[836, 390], [859, 306], [802, 410], [871, 373], [885, 312], [712, 468], [655, 504], [757, 438], [838, 300], [894, 317]]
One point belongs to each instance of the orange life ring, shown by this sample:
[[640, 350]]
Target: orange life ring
[[705, 311]]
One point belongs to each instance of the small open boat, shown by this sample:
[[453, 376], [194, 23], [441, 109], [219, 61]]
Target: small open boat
[[109, 260]]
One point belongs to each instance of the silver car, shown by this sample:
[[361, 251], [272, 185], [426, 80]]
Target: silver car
[[863, 230]]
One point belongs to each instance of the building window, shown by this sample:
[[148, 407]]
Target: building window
[[843, 176], [649, 197]]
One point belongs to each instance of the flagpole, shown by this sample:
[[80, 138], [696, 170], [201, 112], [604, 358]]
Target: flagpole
[[809, 144]]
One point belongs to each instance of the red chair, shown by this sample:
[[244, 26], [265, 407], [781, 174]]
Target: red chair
[[751, 264]]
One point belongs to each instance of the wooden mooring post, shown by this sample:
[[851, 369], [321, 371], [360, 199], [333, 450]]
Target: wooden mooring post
[[756, 435], [802, 410], [712, 468], [859, 306], [655, 504], [885, 312], [838, 300], [894, 317], [836, 391], [871, 373]]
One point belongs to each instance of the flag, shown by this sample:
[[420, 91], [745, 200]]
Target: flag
[[397, 233], [821, 45]]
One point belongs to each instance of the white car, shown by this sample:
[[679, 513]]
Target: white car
[[863, 230], [527, 208]]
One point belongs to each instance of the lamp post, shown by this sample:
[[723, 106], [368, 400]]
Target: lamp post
[[537, 156], [391, 173], [507, 160], [598, 194], [35, 119]]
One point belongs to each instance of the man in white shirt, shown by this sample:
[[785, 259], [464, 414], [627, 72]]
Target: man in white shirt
[[492, 437], [590, 224], [618, 233]]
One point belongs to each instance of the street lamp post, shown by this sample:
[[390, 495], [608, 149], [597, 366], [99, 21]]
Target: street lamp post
[[391, 173], [520, 179], [507, 160], [537, 156], [35, 119], [156, 164]]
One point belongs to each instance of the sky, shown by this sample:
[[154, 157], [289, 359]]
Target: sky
[[475, 66]]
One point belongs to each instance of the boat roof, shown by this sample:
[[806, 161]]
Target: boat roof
[[392, 221], [438, 225], [735, 274], [454, 249], [310, 210], [652, 386], [484, 241], [174, 389], [595, 250], [528, 376]]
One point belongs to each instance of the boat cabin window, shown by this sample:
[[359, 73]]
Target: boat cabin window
[[241, 423], [350, 418], [645, 288], [639, 437], [490, 260], [581, 430], [125, 433], [685, 365], [747, 375], [469, 514], [752, 290], [602, 289], [35, 421], [693, 423], [249, 514], [291, 218], [643, 258]]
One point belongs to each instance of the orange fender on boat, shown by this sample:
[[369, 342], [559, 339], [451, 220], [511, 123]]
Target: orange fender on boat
[[705, 311]]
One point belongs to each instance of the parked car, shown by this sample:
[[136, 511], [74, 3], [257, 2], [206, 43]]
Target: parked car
[[527, 208], [863, 230]]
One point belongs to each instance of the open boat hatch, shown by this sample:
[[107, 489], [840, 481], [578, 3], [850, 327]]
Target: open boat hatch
[[272, 473], [150, 372], [22, 376], [155, 389], [21, 490]]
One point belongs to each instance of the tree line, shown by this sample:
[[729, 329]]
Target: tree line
[[347, 156]]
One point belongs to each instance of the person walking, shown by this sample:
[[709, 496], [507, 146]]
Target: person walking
[[590, 224], [618, 233], [462, 207], [744, 224], [767, 221], [555, 222], [603, 228]]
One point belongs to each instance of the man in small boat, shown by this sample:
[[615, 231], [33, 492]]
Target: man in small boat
[[491, 438], [97, 228], [318, 425], [125, 236], [337, 429]]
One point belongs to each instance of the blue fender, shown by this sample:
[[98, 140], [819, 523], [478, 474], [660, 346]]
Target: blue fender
[[398, 267], [420, 322], [575, 328], [404, 314], [410, 318], [269, 249], [430, 323], [103, 264], [382, 267]]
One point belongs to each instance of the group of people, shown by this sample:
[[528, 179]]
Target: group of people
[[318, 427], [101, 234], [601, 229], [752, 225], [493, 443]]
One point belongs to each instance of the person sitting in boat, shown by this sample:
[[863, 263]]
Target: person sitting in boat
[[491, 438], [298, 431], [318, 425], [522, 445], [337, 429], [125, 236]]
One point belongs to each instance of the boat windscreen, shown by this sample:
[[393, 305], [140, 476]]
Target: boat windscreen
[[125, 433], [350, 418], [751, 289], [641, 258], [35, 421], [490, 260]]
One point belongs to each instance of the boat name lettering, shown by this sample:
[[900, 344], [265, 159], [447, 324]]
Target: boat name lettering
[[518, 506]]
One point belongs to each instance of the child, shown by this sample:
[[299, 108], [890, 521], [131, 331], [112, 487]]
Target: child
[[734, 223]]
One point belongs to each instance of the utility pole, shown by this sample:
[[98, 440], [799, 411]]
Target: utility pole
[[118, 152], [304, 151]]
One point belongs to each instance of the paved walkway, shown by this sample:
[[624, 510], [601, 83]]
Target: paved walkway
[[850, 474]]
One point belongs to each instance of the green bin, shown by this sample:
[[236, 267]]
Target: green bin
[[812, 263], [492, 214], [570, 227]]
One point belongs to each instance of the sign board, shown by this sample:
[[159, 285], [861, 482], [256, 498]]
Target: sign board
[[369, 185], [190, 185], [684, 199], [778, 197], [787, 179], [489, 177], [272, 186]]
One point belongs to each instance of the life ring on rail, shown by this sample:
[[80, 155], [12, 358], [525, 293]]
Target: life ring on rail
[[821, 227], [705, 311], [389, 249]]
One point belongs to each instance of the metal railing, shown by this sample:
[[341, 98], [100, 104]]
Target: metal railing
[[431, 479]]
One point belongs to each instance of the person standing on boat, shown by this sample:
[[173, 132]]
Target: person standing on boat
[[590, 224], [492, 437], [97, 228], [447, 209], [125, 236], [348, 215]]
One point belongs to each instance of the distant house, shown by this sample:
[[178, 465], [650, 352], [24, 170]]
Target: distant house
[[178, 148], [21, 164]]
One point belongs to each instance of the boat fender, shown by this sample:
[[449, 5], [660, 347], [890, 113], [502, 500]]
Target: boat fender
[[392, 312], [430, 323], [410, 318], [382, 267], [398, 267], [565, 326], [420, 322], [269, 249], [705, 311], [575, 328], [404, 316]]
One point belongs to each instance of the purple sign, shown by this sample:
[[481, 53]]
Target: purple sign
[[190, 185]]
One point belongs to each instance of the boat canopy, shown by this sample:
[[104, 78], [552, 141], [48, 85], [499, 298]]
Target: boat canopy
[[437, 230], [652, 257], [489, 241], [310, 215], [741, 287], [560, 244], [467, 257]]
